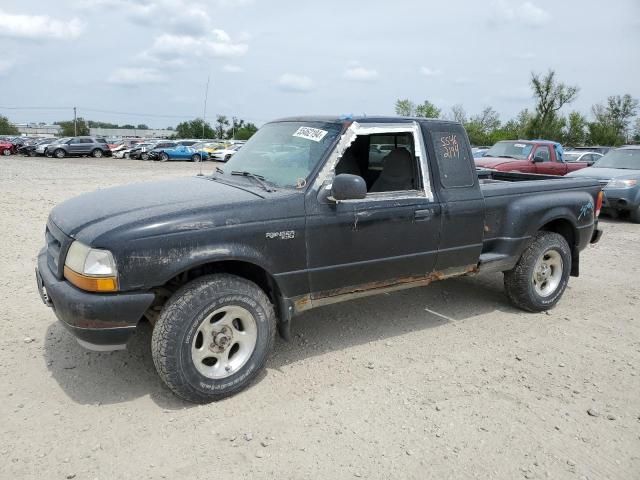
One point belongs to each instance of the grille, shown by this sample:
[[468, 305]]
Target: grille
[[57, 246]]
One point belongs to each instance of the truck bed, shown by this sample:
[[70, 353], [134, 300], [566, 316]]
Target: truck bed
[[512, 200]]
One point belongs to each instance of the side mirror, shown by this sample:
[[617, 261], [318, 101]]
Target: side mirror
[[348, 187], [538, 159]]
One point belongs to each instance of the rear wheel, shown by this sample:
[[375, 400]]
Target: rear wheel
[[196, 157], [213, 337], [96, 153], [144, 156], [6, 152], [540, 277], [32, 153], [59, 153]]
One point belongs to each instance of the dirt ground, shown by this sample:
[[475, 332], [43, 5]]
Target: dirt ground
[[447, 381]]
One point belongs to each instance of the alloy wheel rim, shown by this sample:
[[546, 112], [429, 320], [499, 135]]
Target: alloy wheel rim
[[224, 342], [547, 273]]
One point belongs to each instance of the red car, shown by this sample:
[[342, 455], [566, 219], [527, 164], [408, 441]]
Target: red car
[[528, 156], [6, 148]]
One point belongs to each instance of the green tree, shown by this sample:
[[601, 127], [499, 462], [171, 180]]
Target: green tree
[[613, 119], [67, 128], [246, 131], [128, 126], [6, 127], [458, 114], [222, 122], [142, 126], [576, 130], [482, 128], [636, 131], [550, 96], [194, 129], [405, 107], [427, 110]]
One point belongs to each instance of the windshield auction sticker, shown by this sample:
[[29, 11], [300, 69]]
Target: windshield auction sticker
[[309, 133]]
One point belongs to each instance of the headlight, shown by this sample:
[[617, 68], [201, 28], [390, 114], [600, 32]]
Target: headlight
[[616, 183], [91, 269]]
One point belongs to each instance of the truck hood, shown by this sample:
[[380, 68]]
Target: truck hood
[[494, 162], [152, 207], [606, 173]]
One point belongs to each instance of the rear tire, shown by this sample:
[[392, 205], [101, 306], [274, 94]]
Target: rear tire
[[6, 152], [163, 157], [196, 157], [144, 156], [213, 337], [540, 277], [96, 153]]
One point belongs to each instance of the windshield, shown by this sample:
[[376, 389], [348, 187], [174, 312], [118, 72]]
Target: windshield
[[517, 150], [626, 158], [284, 153]]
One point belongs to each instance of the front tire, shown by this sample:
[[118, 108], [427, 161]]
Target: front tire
[[213, 337], [144, 156], [540, 277], [163, 157], [6, 152], [196, 157], [59, 153]]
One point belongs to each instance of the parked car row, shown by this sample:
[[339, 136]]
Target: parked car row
[[194, 150]]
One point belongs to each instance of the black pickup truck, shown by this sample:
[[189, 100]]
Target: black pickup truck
[[307, 213]]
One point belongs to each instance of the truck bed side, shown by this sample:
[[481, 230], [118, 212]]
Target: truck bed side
[[517, 206]]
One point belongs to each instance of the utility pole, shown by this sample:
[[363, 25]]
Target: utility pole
[[75, 123], [204, 112]]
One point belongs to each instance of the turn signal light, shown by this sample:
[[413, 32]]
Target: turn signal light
[[599, 203], [91, 284]]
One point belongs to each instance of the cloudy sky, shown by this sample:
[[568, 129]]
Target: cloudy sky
[[147, 61]]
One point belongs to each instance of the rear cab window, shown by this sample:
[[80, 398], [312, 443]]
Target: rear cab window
[[453, 158]]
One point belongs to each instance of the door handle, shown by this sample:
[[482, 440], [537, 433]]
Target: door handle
[[427, 213]]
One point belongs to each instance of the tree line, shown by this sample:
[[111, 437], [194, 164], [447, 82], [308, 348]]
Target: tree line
[[223, 128], [611, 123]]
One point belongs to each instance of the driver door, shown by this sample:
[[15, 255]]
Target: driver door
[[385, 239]]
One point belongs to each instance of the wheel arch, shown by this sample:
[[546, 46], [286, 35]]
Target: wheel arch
[[244, 268], [568, 230]]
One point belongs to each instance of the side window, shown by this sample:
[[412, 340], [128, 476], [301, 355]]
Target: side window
[[76, 141], [386, 162], [453, 159], [543, 152], [86, 140]]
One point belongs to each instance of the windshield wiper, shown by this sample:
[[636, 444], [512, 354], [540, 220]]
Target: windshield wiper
[[506, 156], [258, 178]]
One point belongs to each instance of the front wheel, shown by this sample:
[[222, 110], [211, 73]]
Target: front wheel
[[59, 153], [144, 156], [6, 152], [540, 277], [213, 337], [195, 157], [163, 157]]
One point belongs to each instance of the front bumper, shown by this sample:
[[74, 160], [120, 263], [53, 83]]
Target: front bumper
[[621, 199], [98, 321]]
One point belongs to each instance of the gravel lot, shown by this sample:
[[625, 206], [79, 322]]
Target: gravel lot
[[447, 381]]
